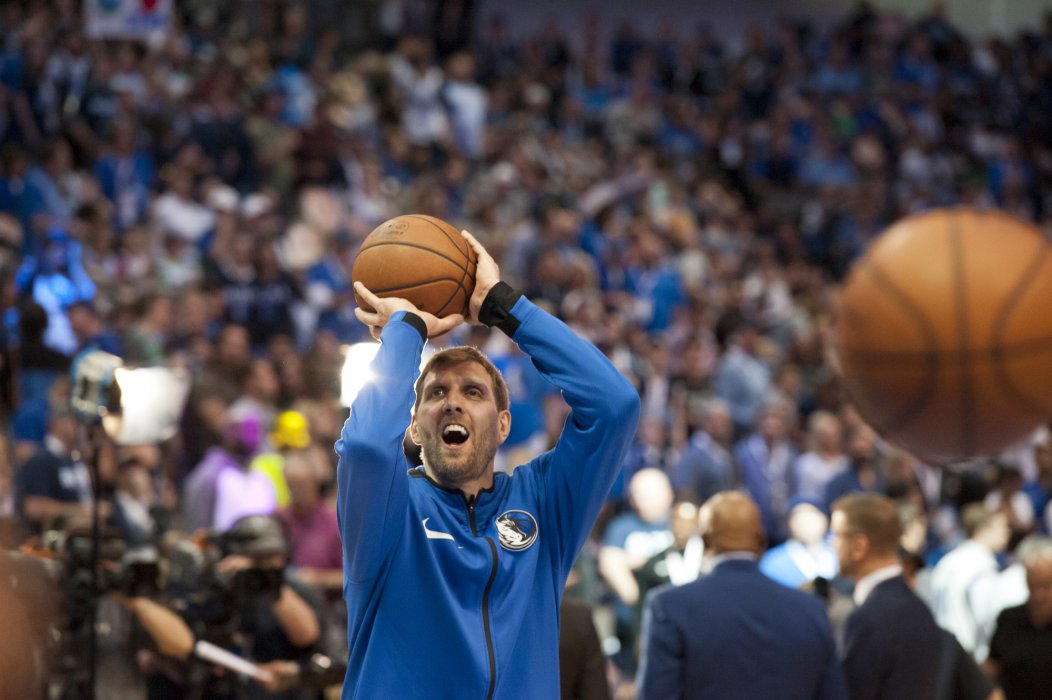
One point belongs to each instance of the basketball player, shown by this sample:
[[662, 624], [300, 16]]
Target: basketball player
[[454, 574]]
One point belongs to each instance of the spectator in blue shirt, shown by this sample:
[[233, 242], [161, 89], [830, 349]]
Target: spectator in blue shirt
[[126, 175], [741, 379]]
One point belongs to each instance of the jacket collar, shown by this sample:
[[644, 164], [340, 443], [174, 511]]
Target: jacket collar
[[485, 501], [868, 583]]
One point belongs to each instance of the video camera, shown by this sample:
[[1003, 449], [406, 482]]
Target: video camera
[[78, 565], [206, 591], [133, 573]]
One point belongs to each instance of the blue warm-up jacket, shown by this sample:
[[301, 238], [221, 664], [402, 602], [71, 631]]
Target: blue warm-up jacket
[[439, 605]]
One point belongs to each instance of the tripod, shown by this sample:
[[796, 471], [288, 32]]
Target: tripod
[[81, 587]]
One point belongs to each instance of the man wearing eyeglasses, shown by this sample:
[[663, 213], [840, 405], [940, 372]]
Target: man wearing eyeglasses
[[891, 642]]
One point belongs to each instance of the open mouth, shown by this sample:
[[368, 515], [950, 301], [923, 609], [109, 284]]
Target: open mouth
[[455, 435]]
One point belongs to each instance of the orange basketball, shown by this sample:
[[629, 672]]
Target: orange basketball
[[944, 333], [419, 258]]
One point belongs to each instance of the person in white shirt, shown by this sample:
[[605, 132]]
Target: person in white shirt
[[466, 101], [967, 586], [825, 457]]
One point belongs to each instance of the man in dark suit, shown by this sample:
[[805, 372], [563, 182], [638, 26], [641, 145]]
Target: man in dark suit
[[736, 633], [892, 645]]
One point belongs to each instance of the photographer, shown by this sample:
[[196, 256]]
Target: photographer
[[289, 615], [236, 595], [167, 630]]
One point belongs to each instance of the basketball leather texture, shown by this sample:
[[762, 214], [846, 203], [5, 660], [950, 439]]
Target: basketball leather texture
[[944, 333], [419, 258]]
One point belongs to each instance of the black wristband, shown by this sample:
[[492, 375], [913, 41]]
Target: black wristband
[[496, 308], [417, 323]]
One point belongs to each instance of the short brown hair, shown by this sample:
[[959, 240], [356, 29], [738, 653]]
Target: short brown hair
[[459, 355], [974, 517], [874, 516]]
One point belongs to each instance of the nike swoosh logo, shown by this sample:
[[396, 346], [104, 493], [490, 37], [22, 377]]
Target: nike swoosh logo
[[434, 535]]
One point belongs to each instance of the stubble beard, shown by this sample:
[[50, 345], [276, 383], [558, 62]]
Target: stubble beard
[[463, 468]]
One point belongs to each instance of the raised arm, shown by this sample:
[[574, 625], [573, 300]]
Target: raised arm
[[580, 470], [371, 474]]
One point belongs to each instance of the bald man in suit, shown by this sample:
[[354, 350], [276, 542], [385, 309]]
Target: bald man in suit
[[735, 633]]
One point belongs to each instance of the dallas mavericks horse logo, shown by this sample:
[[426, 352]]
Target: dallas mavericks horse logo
[[517, 530]]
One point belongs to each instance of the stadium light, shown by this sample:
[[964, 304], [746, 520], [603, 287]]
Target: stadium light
[[134, 405], [357, 370]]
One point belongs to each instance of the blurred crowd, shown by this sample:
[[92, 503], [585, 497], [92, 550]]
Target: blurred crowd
[[685, 200]]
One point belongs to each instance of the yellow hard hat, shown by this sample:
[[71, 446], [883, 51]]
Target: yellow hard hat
[[290, 430]]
